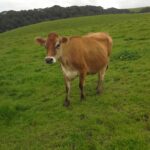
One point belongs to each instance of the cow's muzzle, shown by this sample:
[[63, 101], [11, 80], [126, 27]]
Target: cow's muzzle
[[50, 60]]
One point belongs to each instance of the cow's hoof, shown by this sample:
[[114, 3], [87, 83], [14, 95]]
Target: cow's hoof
[[99, 92], [82, 98], [66, 103]]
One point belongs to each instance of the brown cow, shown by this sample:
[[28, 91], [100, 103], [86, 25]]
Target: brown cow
[[79, 56]]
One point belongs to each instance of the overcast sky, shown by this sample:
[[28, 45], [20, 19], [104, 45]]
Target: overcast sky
[[31, 4]]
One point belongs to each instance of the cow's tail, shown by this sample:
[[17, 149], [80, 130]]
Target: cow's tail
[[110, 43]]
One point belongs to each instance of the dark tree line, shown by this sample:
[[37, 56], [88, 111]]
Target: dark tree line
[[13, 19], [145, 10]]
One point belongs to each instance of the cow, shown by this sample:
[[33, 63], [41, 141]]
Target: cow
[[79, 56]]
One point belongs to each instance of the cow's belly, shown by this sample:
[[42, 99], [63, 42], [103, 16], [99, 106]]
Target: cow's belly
[[69, 73]]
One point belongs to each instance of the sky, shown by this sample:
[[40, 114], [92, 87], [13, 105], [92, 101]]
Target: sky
[[6, 5]]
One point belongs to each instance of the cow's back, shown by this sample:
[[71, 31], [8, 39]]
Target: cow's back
[[104, 39]]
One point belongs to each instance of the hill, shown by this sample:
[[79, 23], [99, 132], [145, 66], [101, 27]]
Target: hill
[[136, 10], [14, 19], [140, 10], [32, 115]]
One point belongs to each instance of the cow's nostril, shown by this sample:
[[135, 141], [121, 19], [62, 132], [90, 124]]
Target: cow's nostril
[[49, 60]]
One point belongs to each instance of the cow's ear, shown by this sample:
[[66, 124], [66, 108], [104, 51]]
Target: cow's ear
[[64, 39], [40, 41]]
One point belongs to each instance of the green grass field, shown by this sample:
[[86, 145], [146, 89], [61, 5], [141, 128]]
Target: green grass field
[[32, 116]]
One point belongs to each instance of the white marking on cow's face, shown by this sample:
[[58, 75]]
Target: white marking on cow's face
[[69, 73], [54, 59]]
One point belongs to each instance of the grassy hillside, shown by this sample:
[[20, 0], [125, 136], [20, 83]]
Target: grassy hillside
[[139, 9], [31, 92], [136, 10]]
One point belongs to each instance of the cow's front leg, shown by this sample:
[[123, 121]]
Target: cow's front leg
[[81, 85], [68, 87]]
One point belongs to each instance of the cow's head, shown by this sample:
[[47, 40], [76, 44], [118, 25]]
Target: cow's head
[[53, 46]]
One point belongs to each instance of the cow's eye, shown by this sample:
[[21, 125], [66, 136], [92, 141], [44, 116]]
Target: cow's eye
[[57, 45]]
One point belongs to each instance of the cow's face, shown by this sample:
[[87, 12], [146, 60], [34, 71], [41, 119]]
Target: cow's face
[[53, 47]]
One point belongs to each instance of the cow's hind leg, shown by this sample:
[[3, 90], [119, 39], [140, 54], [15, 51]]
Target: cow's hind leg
[[101, 76], [68, 88]]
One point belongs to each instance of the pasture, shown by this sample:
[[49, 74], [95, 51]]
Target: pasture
[[32, 116]]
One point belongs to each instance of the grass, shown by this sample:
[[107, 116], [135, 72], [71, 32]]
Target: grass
[[32, 115], [127, 55]]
